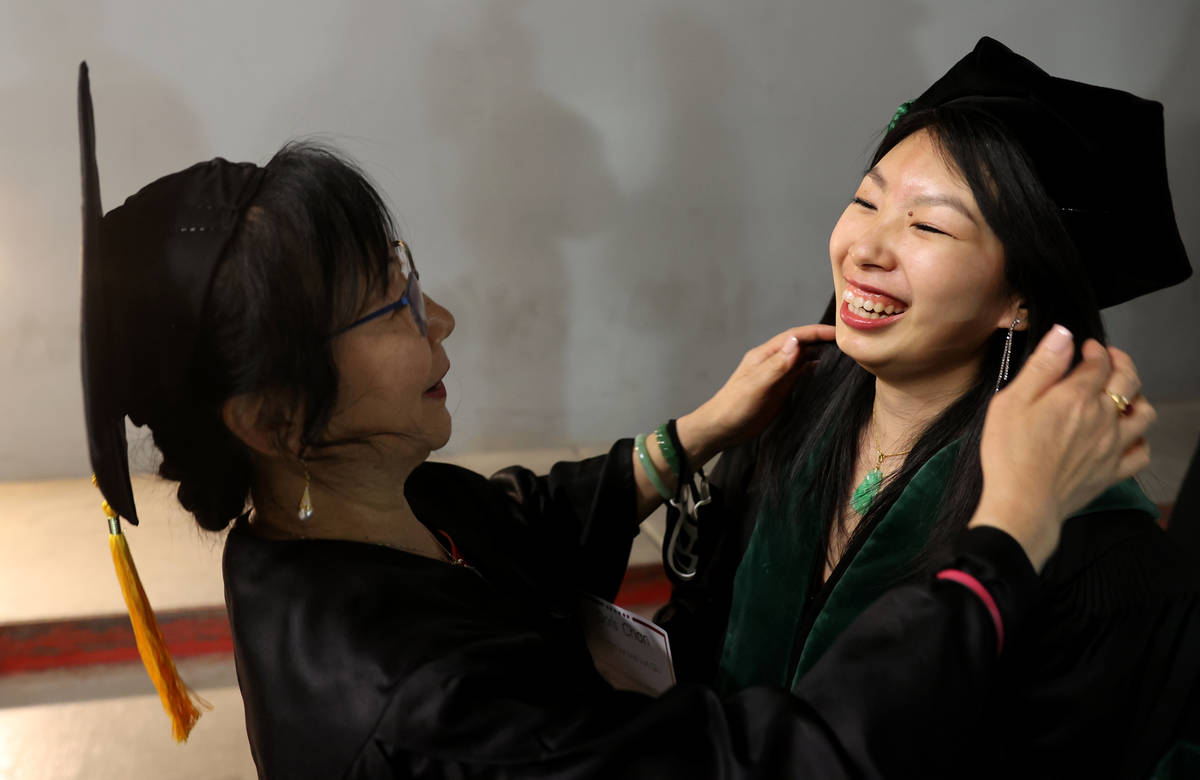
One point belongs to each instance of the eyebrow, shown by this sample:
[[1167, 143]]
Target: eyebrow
[[928, 200]]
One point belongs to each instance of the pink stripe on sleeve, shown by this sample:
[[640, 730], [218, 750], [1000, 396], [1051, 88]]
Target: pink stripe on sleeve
[[976, 587]]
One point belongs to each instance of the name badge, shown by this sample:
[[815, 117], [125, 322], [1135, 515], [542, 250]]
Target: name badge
[[632, 653]]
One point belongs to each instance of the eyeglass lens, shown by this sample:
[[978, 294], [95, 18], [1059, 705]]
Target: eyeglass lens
[[412, 289]]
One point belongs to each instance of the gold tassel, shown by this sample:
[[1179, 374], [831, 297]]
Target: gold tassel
[[181, 703]]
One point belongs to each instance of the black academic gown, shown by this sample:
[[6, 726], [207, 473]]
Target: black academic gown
[[360, 661], [1100, 679]]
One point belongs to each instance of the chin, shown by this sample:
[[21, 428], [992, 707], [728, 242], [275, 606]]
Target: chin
[[854, 349], [850, 341], [441, 436]]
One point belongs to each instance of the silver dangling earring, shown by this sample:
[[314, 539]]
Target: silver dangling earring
[[305, 512], [1004, 358]]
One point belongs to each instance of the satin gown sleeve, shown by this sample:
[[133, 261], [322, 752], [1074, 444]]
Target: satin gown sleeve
[[1103, 677], [545, 537], [361, 661], [522, 707]]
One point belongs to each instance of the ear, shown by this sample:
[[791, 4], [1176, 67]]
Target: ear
[[248, 417], [1014, 311]]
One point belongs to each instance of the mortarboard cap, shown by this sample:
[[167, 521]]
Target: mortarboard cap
[[147, 269], [1099, 153]]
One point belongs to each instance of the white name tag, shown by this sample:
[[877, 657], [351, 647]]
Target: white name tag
[[629, 651]]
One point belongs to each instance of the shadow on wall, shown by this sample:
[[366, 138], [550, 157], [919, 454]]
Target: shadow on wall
[[363, 53], [1167, 321], [144, 130], [528, 173], [674, 264], [759, 156], [849, 66]]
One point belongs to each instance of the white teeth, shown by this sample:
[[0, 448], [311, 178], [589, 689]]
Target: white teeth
[[872, 309]]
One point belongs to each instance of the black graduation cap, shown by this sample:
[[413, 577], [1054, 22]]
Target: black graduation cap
[[147, 269], [1099, 153]]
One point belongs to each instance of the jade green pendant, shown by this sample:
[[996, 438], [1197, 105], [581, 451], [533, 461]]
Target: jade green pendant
[[864, 494]]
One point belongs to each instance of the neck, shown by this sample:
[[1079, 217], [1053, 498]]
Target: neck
[[352, 501], [905, 408]]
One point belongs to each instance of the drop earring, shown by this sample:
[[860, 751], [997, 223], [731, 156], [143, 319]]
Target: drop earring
[[305, 511], [1006, 356]]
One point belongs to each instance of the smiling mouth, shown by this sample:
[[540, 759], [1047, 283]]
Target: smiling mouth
[[438, 388], [872, 307]]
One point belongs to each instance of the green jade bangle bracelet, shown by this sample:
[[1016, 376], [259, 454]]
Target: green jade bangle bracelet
[[648, 466]]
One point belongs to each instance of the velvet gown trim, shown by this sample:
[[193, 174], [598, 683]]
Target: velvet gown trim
[[771, 587]]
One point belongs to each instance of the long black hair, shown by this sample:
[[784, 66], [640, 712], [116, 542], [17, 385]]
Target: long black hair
[[827, 412], [312, 247]]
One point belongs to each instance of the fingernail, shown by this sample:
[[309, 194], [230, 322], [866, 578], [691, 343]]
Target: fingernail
[[790, 346], [1058, 339]]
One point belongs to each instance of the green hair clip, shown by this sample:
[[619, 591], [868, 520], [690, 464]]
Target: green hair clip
[[901, 111]]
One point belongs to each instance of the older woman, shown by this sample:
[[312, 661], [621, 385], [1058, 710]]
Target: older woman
[[397, 618], [999, 202]]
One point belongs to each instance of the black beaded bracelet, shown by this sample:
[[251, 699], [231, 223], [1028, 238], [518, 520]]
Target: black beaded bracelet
[[685, 469]]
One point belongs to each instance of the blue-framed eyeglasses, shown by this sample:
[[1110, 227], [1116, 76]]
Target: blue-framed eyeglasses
[[411, 296]]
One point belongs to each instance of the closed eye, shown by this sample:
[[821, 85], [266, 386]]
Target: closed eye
[[866, 204], [929, 228]]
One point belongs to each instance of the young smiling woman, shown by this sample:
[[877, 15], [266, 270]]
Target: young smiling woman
[[981, 223], [913, 239]]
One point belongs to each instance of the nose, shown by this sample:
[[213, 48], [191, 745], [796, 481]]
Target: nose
[[441, 321], [873, 247]]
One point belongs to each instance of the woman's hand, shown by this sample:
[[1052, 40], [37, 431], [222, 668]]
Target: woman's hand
[[1052, 443], [751, 397]]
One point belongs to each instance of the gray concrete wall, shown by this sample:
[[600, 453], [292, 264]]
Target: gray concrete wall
[[616, 199]]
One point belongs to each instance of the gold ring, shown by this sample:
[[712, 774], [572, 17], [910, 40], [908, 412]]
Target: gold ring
[[1123, 404]]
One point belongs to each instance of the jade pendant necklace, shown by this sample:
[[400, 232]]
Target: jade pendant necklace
[[864, 495]]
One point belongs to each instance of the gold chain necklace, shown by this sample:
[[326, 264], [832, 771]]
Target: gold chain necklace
[[864, 495]]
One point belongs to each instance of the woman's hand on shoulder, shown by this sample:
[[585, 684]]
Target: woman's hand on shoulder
[[1054, 440], [752, 396]]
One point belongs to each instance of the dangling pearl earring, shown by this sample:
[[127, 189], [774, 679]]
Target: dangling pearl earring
[[1004, 358], [306, 508]]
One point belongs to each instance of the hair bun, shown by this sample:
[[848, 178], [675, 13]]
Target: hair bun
[[212, 469]]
